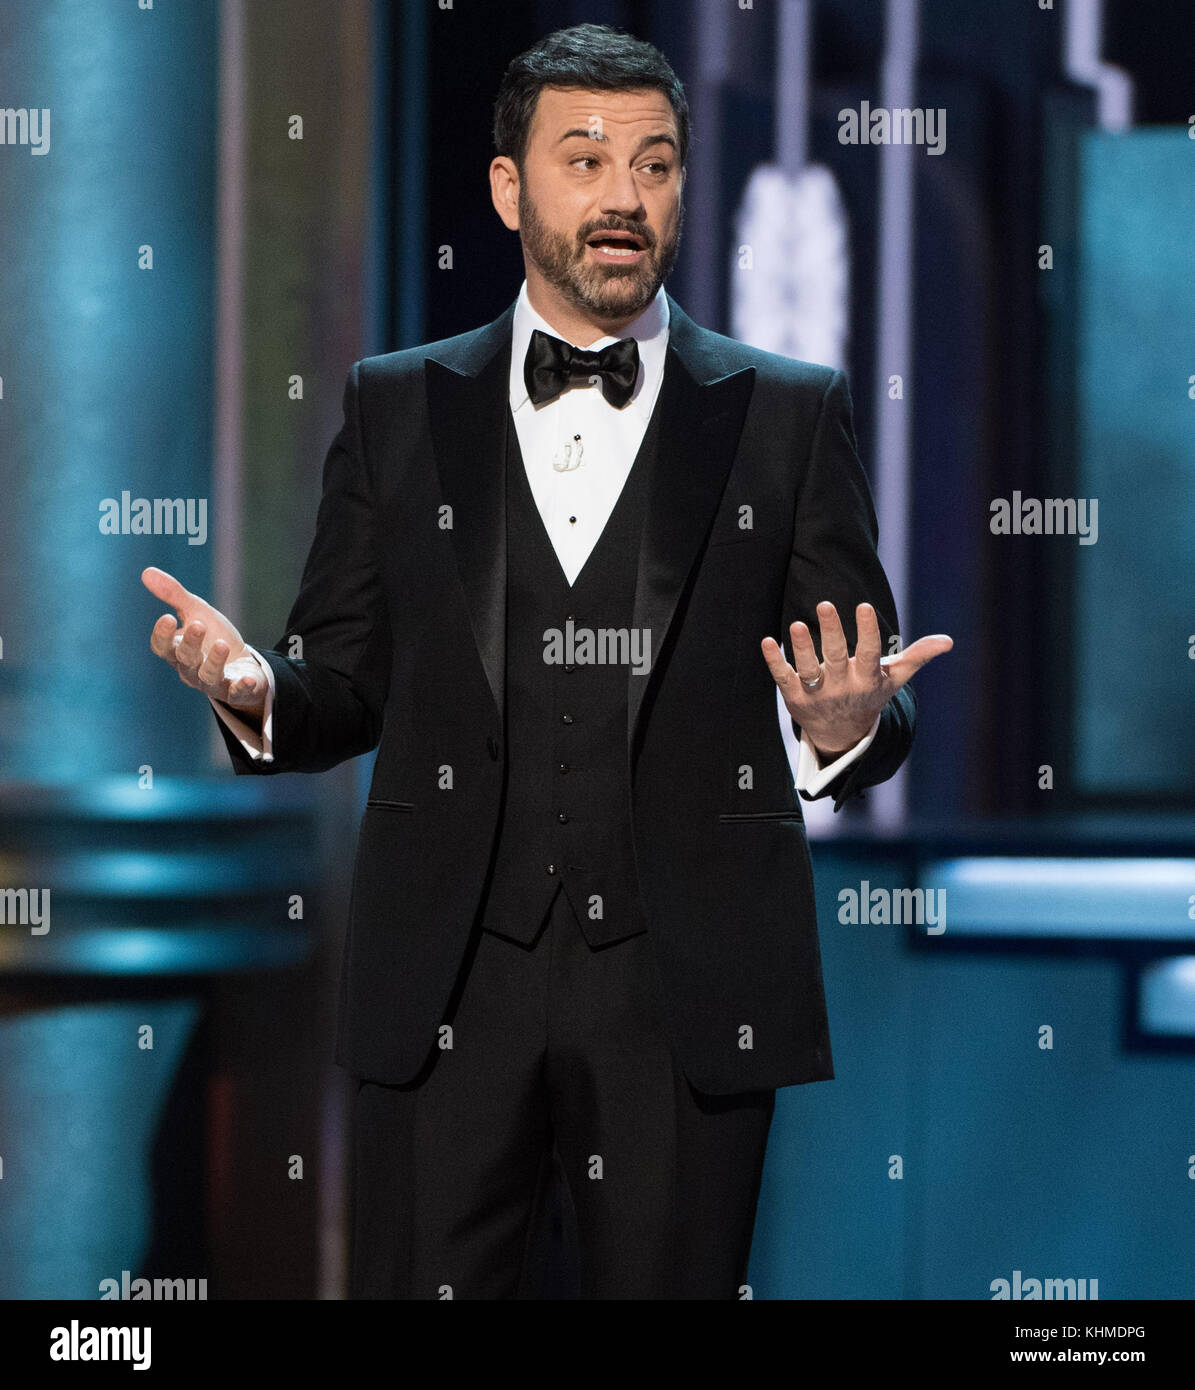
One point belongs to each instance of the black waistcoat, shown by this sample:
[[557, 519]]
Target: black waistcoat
[[566, 811]]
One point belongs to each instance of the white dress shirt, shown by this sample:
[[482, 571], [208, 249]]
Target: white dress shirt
[[596, 443]]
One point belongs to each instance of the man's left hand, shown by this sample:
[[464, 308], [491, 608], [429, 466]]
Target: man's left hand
[[847, 691]]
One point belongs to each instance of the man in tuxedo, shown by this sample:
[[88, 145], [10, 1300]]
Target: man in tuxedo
[[547, 562]]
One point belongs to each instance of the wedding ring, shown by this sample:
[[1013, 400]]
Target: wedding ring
[[813, 685]]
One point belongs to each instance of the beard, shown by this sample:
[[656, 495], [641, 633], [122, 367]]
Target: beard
[[607, 292]]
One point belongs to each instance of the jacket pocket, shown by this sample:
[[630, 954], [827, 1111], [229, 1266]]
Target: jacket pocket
[[761, 815], [379, 803]]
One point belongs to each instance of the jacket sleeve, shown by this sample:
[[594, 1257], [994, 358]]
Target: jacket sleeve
[[834, 557], [331, 666]]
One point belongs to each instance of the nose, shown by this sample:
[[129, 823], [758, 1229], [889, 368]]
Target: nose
[[621, 196]]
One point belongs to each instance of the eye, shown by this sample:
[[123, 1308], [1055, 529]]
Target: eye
[[658, 166], [585, 159]]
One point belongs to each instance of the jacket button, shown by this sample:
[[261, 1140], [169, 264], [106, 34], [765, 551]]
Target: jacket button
[[551, 868], [566, 718], [492, 744], [562, 818]]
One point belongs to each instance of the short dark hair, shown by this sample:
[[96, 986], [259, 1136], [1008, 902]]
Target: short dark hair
[[596, 57]]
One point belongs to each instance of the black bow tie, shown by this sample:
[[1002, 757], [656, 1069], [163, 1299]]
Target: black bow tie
[[551, 365]]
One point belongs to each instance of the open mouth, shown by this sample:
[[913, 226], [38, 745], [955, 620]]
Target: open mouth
[[617, 246]]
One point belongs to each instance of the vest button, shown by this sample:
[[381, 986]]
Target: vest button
[[551, 868], [492, 744], [562, 767], [570, 668], [566, 718], [562, 818]]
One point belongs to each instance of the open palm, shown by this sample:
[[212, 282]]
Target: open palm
[[203, 646]]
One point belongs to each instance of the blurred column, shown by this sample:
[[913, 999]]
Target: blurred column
[[107, 372], [894, 347], [126, 884]]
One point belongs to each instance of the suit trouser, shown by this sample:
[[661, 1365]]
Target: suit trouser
[[554, 1044]]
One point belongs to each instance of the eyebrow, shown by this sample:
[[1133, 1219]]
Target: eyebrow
[[645, 144]]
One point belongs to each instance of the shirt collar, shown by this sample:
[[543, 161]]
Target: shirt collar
[[650, 331]]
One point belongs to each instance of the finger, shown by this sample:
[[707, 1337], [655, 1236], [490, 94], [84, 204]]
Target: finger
[[246, 681], [869, 646], [804, 652], [161, 638], [835, 652], [907, 663], [782, 672], [188, 649], [211, 672], [166, 587]]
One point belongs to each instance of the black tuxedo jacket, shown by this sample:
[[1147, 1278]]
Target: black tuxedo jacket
[[758, 509]]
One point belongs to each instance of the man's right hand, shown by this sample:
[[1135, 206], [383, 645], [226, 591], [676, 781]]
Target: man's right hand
[[204, 648]]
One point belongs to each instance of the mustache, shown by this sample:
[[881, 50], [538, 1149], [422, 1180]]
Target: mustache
[[639, 229]]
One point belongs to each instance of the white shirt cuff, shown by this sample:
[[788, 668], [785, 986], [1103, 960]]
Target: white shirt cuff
[[260, 747], [812, 777]]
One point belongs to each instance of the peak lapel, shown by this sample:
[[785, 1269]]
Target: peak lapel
[[468, 396], [702, 408]]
